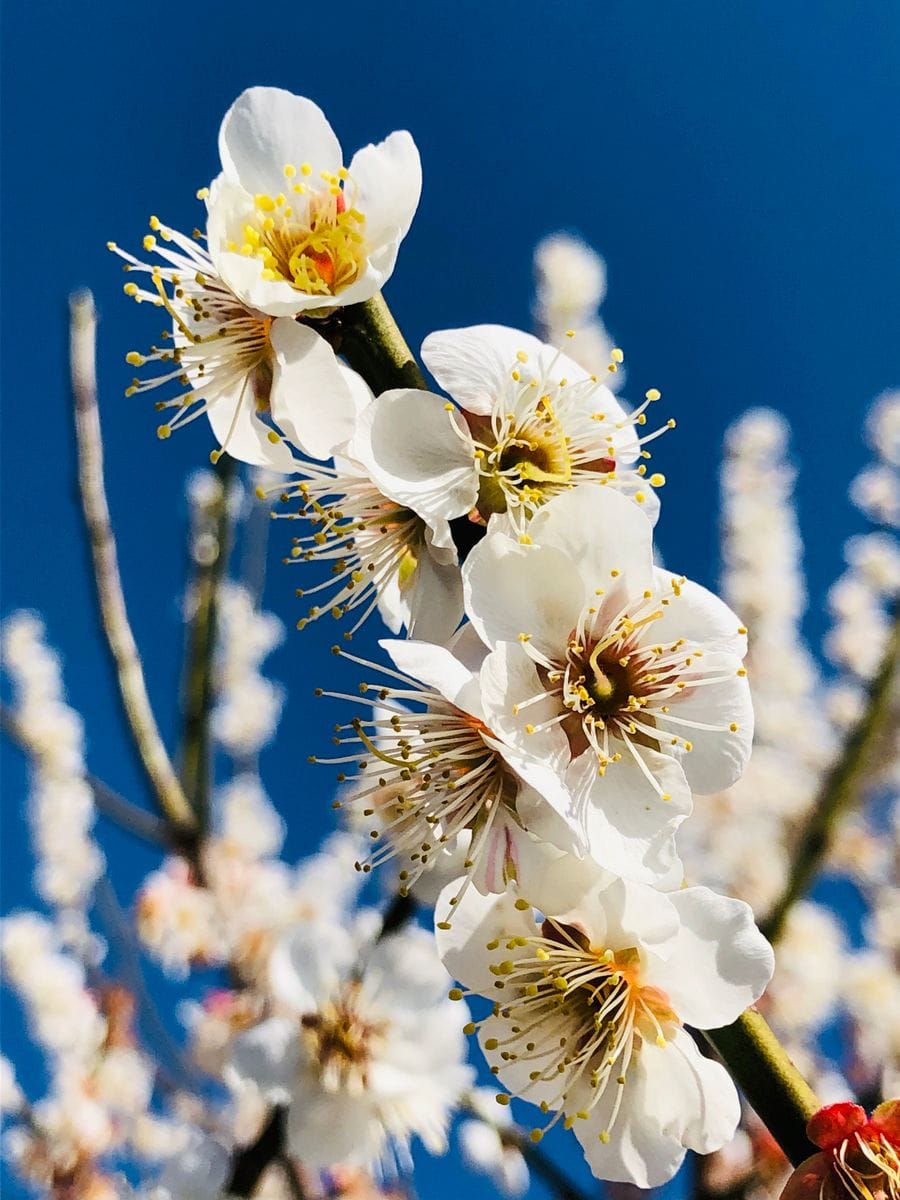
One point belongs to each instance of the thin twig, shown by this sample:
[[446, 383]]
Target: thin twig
[[122, 812], [839, 788], [121, 933], [250, 1162], [209, 552], [113, 613]]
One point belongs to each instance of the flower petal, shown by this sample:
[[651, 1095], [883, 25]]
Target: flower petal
[[388, 177], [239, 431], [601, 531], [697, 615], [267, 1055], [512, 590], [630, 828], [438, 669], [312, 401], [417, 453], [718, 755], [473, 364], [308, 963], [721, 963], [268, 128]]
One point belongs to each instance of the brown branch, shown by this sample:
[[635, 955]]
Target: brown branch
[[113, 612]]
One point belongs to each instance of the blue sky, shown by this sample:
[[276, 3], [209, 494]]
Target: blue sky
[[736, 164]]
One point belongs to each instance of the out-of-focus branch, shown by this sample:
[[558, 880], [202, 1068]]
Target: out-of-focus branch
[[250, 1162], [113, 613], [840, 787], [760, 1066], [122, 812], [209, 553], [371, 342]]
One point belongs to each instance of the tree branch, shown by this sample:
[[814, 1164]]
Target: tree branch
[[839, 788], [113, 613], [209, 553], [760, 1066], [368, 337]]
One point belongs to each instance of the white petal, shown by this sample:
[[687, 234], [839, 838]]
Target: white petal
[[509, 679], [330, 1129], [312, 401], [718, 756], [473, 364], [601, 531], [267, 1055], [308, 963], [721, 963], [418, 453], [433, 598], [238, 430], [438, 669], [698, 616], [477, 920], [511, 589], [389, 179], [618, 913], [265, 130], [630, 829], [545, 806], [403, 972], [674, 1099]]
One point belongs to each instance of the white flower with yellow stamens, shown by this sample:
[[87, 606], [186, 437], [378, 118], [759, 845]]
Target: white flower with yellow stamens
[[364, 1047], [590, 998], [530, 425], [259, 380], [291, 230], [628, 678], [380, 554], [434, 773]]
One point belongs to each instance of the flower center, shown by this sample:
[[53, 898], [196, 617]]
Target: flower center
[[315, 242], [341, 1042], [524, 458], [577, 1013]]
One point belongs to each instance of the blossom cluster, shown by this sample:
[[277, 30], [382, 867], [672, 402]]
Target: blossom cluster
[[553, 752], [558, 698]]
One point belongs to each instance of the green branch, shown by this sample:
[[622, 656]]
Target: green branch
[[839, 789], [760, 1066], [370, 340], [209, 553]]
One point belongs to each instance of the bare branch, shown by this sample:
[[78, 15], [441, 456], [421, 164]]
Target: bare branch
[[113, 613]]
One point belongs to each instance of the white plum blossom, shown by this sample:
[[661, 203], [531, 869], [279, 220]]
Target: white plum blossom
[[364, 1047], [571, 285], [487, 1146], [291, 229], [438, 772], [61, 802], [235, 350], [380, 554], [530, 424], [625, 677], [591, 995], [257, 378]]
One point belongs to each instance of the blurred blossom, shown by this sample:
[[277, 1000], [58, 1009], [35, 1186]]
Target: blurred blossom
[[248, 706], [61, 802], [487, 1147], [809, 958]]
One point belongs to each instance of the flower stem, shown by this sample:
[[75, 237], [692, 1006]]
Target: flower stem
[[113, 613], [209, 551], [760, 1066], [370, 340], [839, 788]]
